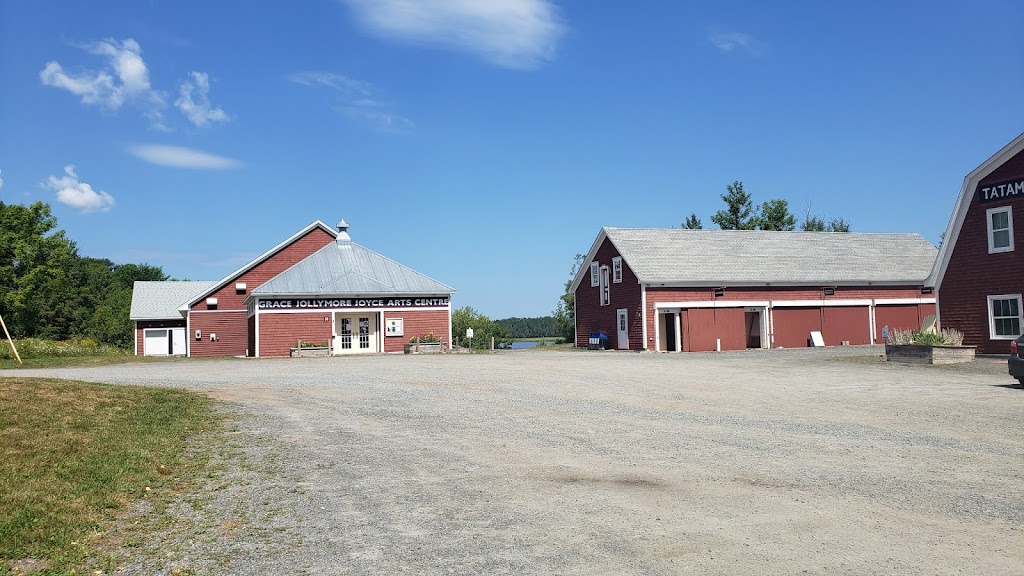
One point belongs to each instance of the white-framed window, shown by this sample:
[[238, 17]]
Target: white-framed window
[[617, 269], [595, 273], [606, 296], [1004, 316], [1000, 229]]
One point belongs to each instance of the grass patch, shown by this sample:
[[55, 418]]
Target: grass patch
[[73, 455], [552, 339]]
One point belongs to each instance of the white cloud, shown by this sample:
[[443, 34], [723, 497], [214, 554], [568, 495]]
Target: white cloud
[[78, 194], [520, 34], [358, 100], [182, 157], [735, 41], [124, 80], [198, 110]]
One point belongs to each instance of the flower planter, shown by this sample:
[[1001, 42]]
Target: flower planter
[[309, 351], [925, 354], [424, 348]]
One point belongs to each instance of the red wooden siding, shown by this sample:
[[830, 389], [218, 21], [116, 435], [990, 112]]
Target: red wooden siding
[[299, 249], [846, 324], [793, 326], [973, 274], [230, 328], [229, 319], [140, 325], [592, 317], [703, 327], [280, 332], [419, 323]]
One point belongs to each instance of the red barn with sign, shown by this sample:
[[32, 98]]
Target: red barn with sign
[[979, 274], [316, 287]]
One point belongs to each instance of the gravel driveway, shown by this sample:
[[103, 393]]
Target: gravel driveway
[[534, 462]]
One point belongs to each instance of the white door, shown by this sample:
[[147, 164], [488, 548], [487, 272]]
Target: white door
[[178, 341], [156, 342], [355, 334], [623, 323]]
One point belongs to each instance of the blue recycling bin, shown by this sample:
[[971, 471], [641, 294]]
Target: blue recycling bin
[[598, 341]]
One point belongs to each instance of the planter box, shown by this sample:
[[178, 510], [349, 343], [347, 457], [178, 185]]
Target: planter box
[[302, 352], [424, 348], [924, 354]]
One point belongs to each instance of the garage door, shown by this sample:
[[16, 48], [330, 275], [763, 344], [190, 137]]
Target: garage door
[[846, 324], [157, 342], [793, 326], [902, 316]]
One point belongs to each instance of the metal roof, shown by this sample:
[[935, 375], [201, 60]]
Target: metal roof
[[756, 257], [160, 300], [344, 267]]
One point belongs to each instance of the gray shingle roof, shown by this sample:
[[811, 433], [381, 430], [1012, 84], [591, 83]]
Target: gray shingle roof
[[759, 257], [160, 300], [348, 268]]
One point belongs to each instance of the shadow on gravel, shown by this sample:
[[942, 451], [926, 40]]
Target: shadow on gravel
[[1017, 386]]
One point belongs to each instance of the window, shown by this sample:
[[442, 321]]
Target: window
[[595, 273], [1004, 318], [1000, 229], [617, 269], [605, 289]]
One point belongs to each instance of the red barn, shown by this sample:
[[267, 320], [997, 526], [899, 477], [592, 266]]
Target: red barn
[[702, 290], [317, 287], [979, 274]]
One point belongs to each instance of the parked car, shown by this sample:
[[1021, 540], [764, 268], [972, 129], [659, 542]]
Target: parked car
[[1016, 362]]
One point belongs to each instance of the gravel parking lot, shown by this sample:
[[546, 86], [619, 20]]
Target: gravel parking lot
[[533, 462]]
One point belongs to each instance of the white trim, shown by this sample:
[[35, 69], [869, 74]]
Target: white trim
[[871, 323], [256, 352], [963, 204], [617, 269], [891, 301], [354, 310], [605, 287], [643, 314], [679, 332], [259, 260], [591, 255], [595, 274], [710, 304], [992, 321], [451, 340], [246, 310], [135, 336], [822, 303], [990, 232]]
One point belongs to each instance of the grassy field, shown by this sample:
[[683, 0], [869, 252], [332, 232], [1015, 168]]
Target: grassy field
[[74, 455]]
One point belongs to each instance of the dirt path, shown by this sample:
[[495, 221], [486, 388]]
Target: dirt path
[[614, 463]]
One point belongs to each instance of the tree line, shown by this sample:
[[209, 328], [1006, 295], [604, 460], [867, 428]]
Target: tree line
[[741, 214], [48, 290]]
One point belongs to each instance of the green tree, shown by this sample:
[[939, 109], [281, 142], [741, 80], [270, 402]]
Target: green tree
[[693, 222], [775, 215], [737, 215], [483, 329], [838, 225], [565, 310], [36, 296]]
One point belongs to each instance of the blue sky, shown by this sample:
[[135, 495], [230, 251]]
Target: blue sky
[[486, 143]]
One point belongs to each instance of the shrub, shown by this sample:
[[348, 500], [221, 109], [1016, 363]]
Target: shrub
[[39, 348], [428, 339], [948, 337]]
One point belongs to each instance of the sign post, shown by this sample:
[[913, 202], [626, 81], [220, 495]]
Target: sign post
[[469, 334], [10, 341]]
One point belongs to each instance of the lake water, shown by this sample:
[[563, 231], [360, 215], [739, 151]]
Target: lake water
[[521, 345]]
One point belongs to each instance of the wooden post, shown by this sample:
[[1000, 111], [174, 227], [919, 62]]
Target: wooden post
[[9, 340]]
